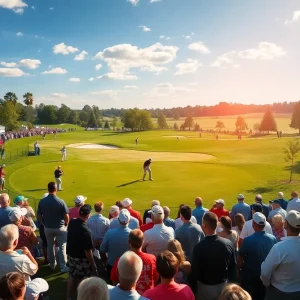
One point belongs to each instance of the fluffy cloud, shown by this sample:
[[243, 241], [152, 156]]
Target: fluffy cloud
[[145, 28], [18, 11], [295, 18], [98, 67], [163, 37], [199, 47], [225, 60], [153, 1], [15, 5], [91, 79], [59, 95], [155, 69], [74, 79], [30, 63], [167, 89], [187, 37], [81, 56], [62, 48], [191, 66], [131, 87], [56, 71], [118, 76], [19, 34], [9, 65], [106, 94], [133, 2], [11, 72]]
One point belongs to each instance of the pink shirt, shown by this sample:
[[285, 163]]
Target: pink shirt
[[74, 213]]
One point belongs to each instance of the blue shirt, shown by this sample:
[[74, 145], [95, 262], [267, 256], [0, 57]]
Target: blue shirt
[[133, 223], [170, 222], [283, 203], [4, 219], [241, 208], [115, 243], [198, 213]]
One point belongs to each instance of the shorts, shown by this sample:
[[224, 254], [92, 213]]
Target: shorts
[[2, 180], [79, 268]]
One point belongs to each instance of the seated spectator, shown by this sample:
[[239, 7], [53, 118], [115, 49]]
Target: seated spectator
[[276, 210], [19, 201], [147, 214], [130, 267], [167, 220], [179, 222], [184, 268], [74, 211], [15, 261], [283, 202], [149, 275], [93, 288], [265, 208], [127, 203], [5, 209], [278, 227], [239, 222], [234, 292], [227, 232], [218, 209], [30, 213], [241, 208], [199, 211], [35, 288], [294, 203], [167, 266], [12, 286]]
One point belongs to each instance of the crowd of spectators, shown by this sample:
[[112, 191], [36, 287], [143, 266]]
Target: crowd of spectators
[[242, 253]]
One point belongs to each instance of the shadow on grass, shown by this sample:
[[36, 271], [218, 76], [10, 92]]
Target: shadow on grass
[[36, 190], [51, 161], [261, 190], [296, 168], [128, 183]]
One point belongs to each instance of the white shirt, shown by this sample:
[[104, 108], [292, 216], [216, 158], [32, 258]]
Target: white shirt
[[178, 222], [156, 239], [248, 229], [294, 205], [282, 265]]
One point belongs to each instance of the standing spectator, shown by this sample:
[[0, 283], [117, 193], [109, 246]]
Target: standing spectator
[[130, 267], [276, 210], [199, 211], [213, 261], [80, 250], [294, 204], [167, 265], [57, 174], [239, 222], [167, 220], [278, 227], [53, 213], [12, 286], [93, 288], [147, 214], [127, 203], [265, 208], [147, 226], [218, 209], [149, 275], [241, 208], [156, 239], [179, 222], [234, 292], [74, 211], [283, 202], [227, 232], [2, 178], [5, 209], [63, 153], [280, 271], [188, 234], [252, 253], [114, 223]]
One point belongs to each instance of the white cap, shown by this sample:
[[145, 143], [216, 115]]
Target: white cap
[[35, 287], [259, 218], [79, 199], [126, 202], [293, 218], [221, 201], [114, 209], [45, 195], [124, 216], [17, 213], [241, 196], [156, 210]]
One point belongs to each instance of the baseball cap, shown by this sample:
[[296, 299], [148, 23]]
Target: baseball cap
[[85, 210], [259, 218], [277, 201], [80, 199], [126, 202], [241, 196], [19, 199], [17, 213], [293, 218], [124, 216], [156, 210], [114, 209], [35, 287], [221, 201]]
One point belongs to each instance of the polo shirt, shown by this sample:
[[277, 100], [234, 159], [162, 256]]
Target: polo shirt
[[281, 267], [248, 229], [98, 226], [4, 212], [74, 212], [294, 204], [136, 214], [198, 213], [169, 222], [220, 212], [57, 173], [254, 251], [179, 222], [115, 293], [147, 226], [283, 203], [133, 223], [79, 239], [277, 211], [241, 208]]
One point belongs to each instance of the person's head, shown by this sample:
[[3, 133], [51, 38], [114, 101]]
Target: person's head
[[114, 211], [280, 195], [175, 247], [278, 222], [258, 198], [9, 235], [167, 264], [26, 203], [12, 286], [85, 212], [52, 187], [178, 214], [127, 203], [79, 200], [198, 202], [93, 288], [155, 202], [166, 212], [257, 207], [209, 223], [35, 287], [130, 267], [240, 197], [234, 292], [124, 217], [275, 204], [239, 220], [185, 213], [59, 167], [258, 222], [19, 201], [119, 204], [98, 206], [292, 223], [136, 239], [226, 224], [4, 200], [16, 215], [3, 166], [294, 194], [157, 214], [220, 203]]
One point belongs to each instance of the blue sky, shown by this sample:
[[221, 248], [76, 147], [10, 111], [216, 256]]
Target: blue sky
[[145, 53]]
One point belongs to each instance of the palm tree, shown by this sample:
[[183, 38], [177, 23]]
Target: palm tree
[[28, 99], [11, 97]]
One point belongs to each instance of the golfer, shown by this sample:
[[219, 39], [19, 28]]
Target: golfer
[[57, 174], [2, 178], [64, 153], [147, 168]]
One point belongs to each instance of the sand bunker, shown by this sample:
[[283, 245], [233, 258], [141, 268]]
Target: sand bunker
[[92, 146], [175, 136]]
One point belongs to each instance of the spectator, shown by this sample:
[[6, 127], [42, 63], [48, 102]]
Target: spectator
[[280, 272], [80, 250], [114, 212], [234, 292], [199, 211], [93, 288], [12, 286], [294, 204], [147, 214], [30, 214], [276, 209], [5, 209], [115, 242], [34, 288], [241, 208], [167, 220], [2, 178], [149, 275], [43, 238], [213, 261], [147, 226], [53, 214], [218, 209], [184, 268], [114, 222], [189, 234], [130, 267], [227, 232], [74, 211], [167, 266], [278, 227], [127, 203], [283, 202], [156, 239], [179, 222], [252, 253], [19, 202], [15, 261], [98, 225], [265, 208], [239, 222]]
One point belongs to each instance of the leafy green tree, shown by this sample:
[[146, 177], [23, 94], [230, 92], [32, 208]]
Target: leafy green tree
[[295, 122], [176, 115], [197, 127], [92, 121], [106, 125], [28, 99], [189, 122], [268, 122], [73, 117], [241, 124], [162, 121], [175, 126], [11, 97], [114, 122], [63, 114], [220, 125], [83, 116], [47, 114], [137, 119], [9, 115], [291, 153]]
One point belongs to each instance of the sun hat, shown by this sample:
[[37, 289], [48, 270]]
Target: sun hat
[[293, 218], [35, 287], [220, 201], [114, 209], [17, 213], [241, 196], [85, 210], [80, 199], [124, 216], [126, 202], [19, 199], [156, 210], [259, 218]]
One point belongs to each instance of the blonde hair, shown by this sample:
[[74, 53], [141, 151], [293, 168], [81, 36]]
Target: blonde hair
[[277, 218], [234, 292], [93, 288], [174, 246]]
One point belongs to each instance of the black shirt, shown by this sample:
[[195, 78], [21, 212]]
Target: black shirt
[[57, 173], [147, 163], [213, 260], [79, 239]]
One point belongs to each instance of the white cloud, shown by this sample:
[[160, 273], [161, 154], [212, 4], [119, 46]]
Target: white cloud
[[145, 28], [62, 48], [264, 51], [295, 18], [191, 66], [109, 94], [59, 95], [131, 87], [74, 79], [18, 11], [9, 65], [167, 89], [224, 60], [133, 2], [12, 4], [199, 47], [118, 76], [98, 67], [81, 56], [162, 37], [19, 34], [30, 63], [153, 1], [154, 69], [56, 71], [11, 72], [91, 79], [187, 37]]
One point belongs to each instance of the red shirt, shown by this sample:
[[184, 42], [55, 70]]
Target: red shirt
[[74, 213], [2, 172], [147, 226], [136, 214], [220, 212], [148, 276]]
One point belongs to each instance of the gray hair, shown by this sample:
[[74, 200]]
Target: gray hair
[[8, 235], [130, 267], [93, 288]]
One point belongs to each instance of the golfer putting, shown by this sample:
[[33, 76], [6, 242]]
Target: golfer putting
[[147, 169]]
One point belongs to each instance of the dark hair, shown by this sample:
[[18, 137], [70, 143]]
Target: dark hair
[[52, 187], [119, 204], [227, 223], [257, 207], [11, 286], [136, 238], [85, 210], [98, 206], [167, 264], [239, 220], [186, 212], [178, 214], [211, 220]]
